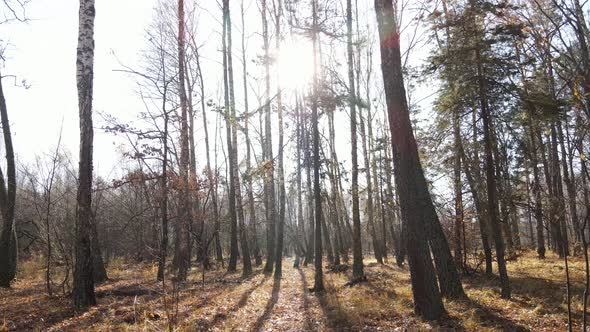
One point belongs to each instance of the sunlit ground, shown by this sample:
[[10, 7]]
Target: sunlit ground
[[133, 301]]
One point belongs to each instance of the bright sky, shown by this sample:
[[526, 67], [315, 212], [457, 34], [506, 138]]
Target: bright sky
[[43, 52]]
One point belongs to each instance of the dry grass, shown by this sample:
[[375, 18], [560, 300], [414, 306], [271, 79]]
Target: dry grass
[[133, 301]]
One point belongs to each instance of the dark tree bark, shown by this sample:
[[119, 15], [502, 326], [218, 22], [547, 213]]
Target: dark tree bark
[[233, 256], [281, 176], [8, 244], [358, 273], [99, 272], [409, 177], [310, 197], [533, 154], [183, 252], [269, 185], [491, 176], [248, 177], [235, 169], [458, 188], [83, 288], [318, 275]]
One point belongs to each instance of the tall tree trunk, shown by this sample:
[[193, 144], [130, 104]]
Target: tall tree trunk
[[409, 177], [358, 273], [318, 275], [243, 231], [184, 207], [269, 188], [248, 177], [458, 188], [8, 242], [533, 155], [491, 175], [233, 258], [83, 290], [281, 175], [310, 202]]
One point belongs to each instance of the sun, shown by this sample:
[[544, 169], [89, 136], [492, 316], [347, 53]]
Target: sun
[[295, 64]]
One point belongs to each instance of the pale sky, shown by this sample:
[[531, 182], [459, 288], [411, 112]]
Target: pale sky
[[42, 51]]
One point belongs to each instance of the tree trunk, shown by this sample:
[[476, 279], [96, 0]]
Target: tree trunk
[[248, 177], [357, 251], [184, 207], [99, 272], [246, 262], [269, 186], [281, 175], [8, 244], [491, 176], [83, 288], [458, 187], [318, 275], [233, 258], [410, 181]]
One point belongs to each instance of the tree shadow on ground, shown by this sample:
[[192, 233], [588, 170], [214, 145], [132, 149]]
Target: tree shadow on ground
[[491, 318], [203, 325], [533, 291], [276, 288], [336, 317], [308, 322]]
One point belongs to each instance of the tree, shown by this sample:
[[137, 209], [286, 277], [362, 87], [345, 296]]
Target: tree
[[8, 243], [248, 177], [234, 168], [318, 275], [83, 291], [490, 165], [233, 256], [281, 168], [183, 253], [409, 177], [357, 251], [269, 185]]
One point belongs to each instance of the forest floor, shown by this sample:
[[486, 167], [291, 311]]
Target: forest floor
[[132, 301]]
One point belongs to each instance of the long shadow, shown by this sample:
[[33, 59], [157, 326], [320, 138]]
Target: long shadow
[[42, 313], [546, 292], [454, 323], [336, 318], [538, 290], [486, 314], [206, 325], [308, 323], [276, 288]]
